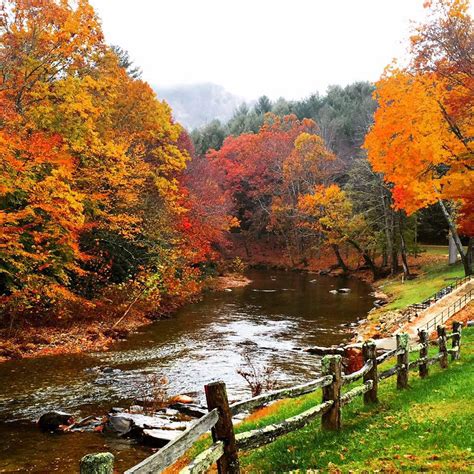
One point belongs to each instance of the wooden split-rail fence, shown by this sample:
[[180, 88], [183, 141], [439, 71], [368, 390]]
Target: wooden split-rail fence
[[227, 444]]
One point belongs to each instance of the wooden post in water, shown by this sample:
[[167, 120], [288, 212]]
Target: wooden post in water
[[369, 350], [402, 361], [99, 463], [332, 365], [443, 361], [423, 338], [456, 340], [216, 396]]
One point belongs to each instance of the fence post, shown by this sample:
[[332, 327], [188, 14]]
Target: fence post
[[99, 463], [423, 338], [332, 365], [216, 396], [443, 361], [456, 340], [402, 361], [369, 350]]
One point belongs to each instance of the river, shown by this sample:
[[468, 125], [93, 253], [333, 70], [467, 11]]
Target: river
[[276, 316]]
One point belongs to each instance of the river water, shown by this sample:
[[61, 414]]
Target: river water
[[274, 319]]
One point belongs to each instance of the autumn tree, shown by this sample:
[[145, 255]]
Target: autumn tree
[[253, 165], [308, 164], [421, 140], [327, 210], [92, 201]]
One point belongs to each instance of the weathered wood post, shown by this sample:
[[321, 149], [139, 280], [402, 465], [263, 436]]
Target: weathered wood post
[[443, 361], [369, 350], [423, 338], [456, 344], [216, 396], [99, 463], [332, 365], [402, 361]]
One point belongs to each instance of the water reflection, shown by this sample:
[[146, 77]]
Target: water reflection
[[278, 315]]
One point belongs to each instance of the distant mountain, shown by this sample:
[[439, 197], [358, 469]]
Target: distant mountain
[[197, 104]]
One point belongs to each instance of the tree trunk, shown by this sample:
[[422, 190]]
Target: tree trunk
[[466, 261], [368, 261], [340, 261], [389, 232], [403, 247], [453, 252]]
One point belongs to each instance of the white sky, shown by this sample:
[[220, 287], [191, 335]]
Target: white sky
[[287, 48]]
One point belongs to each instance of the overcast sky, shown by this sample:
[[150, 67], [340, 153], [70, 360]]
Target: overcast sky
[[287, 48]]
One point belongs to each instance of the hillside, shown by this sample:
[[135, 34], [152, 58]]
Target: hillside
[[195, 105]]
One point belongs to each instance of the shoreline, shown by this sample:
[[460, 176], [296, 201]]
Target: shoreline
[[95, 335]]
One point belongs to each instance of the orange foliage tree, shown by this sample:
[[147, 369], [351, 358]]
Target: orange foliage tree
[[265, 173], [92, 201], [422, 137]]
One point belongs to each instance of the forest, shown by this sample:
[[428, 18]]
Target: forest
[[110, 209]]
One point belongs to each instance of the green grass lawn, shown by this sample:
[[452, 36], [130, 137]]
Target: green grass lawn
[[434, 276], [436, 249], [428, 427]]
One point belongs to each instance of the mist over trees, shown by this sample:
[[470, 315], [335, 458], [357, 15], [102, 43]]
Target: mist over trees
[[400, 147], [195, 105], [343, 115]]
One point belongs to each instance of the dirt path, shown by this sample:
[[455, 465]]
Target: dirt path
[[428, 314]]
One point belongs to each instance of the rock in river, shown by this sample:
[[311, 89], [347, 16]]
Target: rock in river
[[159, 438], [133, 424], [182, 399], [195, 411], [52, 420]]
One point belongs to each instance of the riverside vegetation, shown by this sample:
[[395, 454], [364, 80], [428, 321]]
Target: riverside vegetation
[[113, 215], [412, 429]]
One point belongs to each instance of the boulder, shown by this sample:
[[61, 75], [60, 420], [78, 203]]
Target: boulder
[[182, 399], [334, 292], [158, 438], [355, 360], [132, 424], [52, 420], [192, 410], [344, 290], [470, 324], [119, 424]]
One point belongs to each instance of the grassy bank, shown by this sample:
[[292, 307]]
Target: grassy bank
[[431, 273], [427, 427], [432, 277]]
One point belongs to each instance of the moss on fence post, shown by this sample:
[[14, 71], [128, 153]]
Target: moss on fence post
[[424, 340], [443, 351], [99, 463], [456, 343], [402, 361], [332, 365], [369, 350]]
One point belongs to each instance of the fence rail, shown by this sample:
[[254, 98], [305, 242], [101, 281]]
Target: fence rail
[[444, 315], [438, 295], [226, 444]]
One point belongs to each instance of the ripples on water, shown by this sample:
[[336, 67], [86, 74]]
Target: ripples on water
[[278, 315]]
